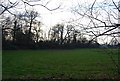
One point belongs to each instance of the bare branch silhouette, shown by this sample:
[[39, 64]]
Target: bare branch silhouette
[[6, 8], [45, 6]]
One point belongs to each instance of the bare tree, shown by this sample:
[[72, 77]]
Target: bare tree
[[101, 20], [38, 32], [97, 19]]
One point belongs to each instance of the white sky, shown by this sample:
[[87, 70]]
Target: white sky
[[50, 18]]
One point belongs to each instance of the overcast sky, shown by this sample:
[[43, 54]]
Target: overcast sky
[[50, 18]]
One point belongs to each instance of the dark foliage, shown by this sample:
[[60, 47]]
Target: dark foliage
[[21, 43]]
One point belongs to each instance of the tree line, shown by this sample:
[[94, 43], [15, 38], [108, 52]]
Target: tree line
[[23, 31]]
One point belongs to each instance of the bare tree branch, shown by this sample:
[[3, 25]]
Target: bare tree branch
[[6, 8], [104, 33], [42, 6], [92, 6], [91, 17], [116, 6]]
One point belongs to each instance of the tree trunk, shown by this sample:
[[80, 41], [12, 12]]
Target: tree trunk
[[29, 34], [14, 31]]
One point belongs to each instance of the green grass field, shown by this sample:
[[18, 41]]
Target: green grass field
[[75, 63]]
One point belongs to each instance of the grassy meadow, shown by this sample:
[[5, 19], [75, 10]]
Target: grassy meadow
[[74, 63]]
